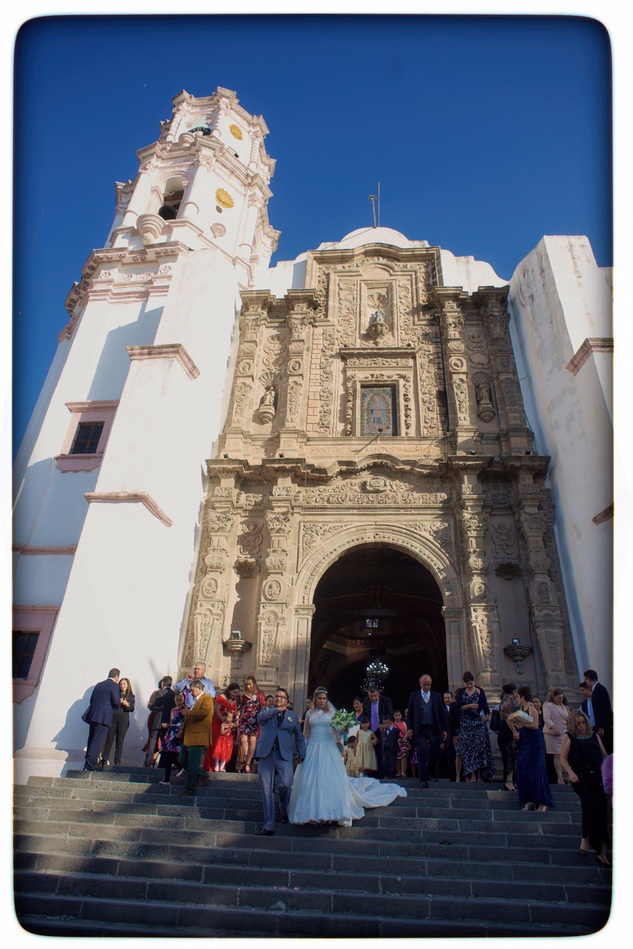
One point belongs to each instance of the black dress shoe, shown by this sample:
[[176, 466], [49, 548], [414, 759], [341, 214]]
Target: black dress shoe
[[264, 833], [284, 820], [424, 784]]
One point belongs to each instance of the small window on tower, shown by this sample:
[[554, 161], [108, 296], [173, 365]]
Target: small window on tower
[[86, 439], [24, 644]]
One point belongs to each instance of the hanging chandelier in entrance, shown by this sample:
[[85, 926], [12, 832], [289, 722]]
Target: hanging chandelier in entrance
[[375, 675]]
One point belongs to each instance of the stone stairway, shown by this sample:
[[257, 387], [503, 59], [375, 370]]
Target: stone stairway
[[116, 854]]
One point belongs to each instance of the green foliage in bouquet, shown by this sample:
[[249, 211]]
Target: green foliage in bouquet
[[343, 720]]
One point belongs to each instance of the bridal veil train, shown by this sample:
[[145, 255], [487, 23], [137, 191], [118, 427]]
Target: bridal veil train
[[322, 791]]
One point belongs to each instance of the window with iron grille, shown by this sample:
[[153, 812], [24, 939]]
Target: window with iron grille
[[24, 644], [86, 440]]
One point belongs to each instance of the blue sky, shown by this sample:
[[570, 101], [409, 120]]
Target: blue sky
[[485, 133]]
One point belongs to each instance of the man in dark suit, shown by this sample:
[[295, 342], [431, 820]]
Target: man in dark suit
[[427, 725], [374, 707], [447, 748], [274, 753], [597, 705], [105, 698]]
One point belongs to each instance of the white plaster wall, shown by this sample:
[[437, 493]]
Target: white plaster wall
[[468, 273], [127, 592], [572, 423], [51, 506], [40, 579]]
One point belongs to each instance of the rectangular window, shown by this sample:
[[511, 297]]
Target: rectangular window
[[372, 624], [24, 644], [87, 438], [378, 412]]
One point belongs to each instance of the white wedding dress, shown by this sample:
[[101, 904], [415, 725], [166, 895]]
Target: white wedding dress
[[322, 791]]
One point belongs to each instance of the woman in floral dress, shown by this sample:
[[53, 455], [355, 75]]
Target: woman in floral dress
[[474, 742], [250, 704]]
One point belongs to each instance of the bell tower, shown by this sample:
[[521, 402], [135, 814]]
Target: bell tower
[[110, 476], [205, 182]]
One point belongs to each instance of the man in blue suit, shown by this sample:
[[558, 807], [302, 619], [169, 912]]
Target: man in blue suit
[[105, 698], [274, 753]]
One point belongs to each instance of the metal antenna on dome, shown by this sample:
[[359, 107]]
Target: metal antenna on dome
[[375, 206]]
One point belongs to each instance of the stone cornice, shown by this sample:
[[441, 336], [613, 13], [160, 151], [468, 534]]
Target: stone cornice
[[118, 257], [593, 344], [270, 468], [166, 351], [182, 157], [28, 550], [347, 255], [399, 352], [129, 497]]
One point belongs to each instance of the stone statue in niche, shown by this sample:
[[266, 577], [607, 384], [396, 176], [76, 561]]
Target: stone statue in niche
[[266, 410], [378, 303], [485, 409]]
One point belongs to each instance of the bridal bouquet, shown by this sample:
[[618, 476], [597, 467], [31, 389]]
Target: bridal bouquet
[[343, 720]]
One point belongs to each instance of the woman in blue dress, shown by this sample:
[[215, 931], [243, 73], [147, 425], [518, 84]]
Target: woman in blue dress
[[530, 775]]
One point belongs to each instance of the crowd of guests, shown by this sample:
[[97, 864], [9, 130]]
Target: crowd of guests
[[195, 731]]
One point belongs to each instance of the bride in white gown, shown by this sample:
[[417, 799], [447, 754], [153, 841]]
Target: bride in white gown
[[322, 792]]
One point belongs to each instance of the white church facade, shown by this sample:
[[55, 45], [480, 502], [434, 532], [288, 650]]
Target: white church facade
[[378, 452]]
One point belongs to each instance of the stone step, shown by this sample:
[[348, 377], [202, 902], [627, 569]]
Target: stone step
[[132, 825], [96, 854], [151, 793], [391, 875], [121, 841], [145, 901], [533, 830], [251, 923]]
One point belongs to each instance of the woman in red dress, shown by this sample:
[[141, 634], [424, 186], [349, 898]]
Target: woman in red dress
[[250, 704], [225, 702]]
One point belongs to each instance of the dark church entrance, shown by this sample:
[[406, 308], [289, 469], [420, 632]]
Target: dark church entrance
[[377, 607]]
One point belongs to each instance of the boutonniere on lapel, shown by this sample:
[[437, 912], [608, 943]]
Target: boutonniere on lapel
[[289, 719]]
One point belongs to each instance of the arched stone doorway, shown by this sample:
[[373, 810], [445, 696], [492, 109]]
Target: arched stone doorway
[[376, 603]]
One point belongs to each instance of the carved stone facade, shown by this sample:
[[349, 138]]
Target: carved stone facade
[[378, 408]]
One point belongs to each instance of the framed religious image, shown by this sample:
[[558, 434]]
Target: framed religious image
[[378, 410]]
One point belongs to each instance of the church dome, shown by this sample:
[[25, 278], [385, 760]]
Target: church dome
[[374, 235]]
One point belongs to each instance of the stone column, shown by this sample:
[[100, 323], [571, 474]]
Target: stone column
[[455, 624], [460, 411], [272, 618], [299, 321], [545, 615], [247, 231], [199, 194], [515, 434], [483, 614], [245, 394], [204, 639], [301, 640], [141, 198]]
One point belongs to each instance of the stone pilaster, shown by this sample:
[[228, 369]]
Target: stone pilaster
[[460, 410], [515, 434], [483, 614], [272, 620], [545, 615]]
